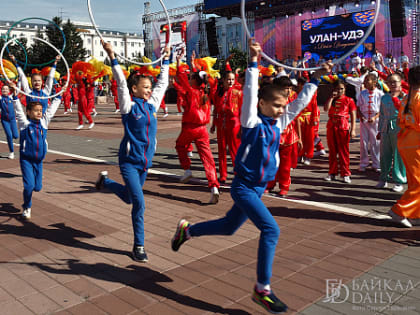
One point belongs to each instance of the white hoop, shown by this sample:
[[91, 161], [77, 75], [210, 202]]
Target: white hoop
[[52, 46], [128, 59], [368, 31]]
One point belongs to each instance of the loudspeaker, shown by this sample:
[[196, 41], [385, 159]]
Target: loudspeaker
[[212, 37], [397, 18]]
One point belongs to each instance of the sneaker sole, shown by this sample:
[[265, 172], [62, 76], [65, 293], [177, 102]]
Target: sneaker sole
[[178, 228], [265, 307], [186, 179], [215, 199], [139, 260]]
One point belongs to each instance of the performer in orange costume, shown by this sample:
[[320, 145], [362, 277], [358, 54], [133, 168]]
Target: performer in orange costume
[[407, 210]]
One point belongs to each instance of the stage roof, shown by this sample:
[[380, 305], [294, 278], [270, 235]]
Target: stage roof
[[266, 8]]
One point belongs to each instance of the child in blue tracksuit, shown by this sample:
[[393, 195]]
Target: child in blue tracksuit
[[138, 107], [262, 121], [36, 81], [8, 119], [33, 145]]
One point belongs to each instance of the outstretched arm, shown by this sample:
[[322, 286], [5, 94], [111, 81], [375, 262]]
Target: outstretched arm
[[123, 93], [162, 84], [20, 115], [22, 76], [249, 113], [50, 79]]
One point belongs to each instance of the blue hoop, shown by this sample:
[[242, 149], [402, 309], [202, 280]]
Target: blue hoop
[[42, 19]]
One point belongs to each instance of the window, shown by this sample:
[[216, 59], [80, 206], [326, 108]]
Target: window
[[89, 52], [115, 44], [88, 41], [101, 54], [122, 44], [132, 44]]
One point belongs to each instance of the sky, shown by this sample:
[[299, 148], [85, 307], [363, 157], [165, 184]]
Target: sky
[[125, 16]]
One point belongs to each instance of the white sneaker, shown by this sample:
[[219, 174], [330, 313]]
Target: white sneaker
[[26, 214], [214, 195], [307, 161], [91, 125], [347, 179], [377, 170], [79, 127], [320, 153], [165, 115], [398, 188], [65, 113], [400, 220], [329, 178], [11, 156], [187, 176], [190, 154], [381, 184], [70, 110], [94, 114], [117, 111]]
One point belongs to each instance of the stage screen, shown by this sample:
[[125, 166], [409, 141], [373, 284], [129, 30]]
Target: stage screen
[[333, 36]]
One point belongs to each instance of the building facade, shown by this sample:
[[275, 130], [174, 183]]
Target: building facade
[[130, 45]]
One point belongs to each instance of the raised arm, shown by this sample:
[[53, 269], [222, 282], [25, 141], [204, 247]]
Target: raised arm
[[49, 114], [22, 76], [249, 113], [304, 96], [20, 115], [162, 84], [50, 79], [123, 93]]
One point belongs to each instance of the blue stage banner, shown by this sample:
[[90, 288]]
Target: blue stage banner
[[333, 36], [214, 4]]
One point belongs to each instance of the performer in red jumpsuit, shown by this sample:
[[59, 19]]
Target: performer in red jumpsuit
[[194, 128], [114, 92], [340, 108], [82, 105]]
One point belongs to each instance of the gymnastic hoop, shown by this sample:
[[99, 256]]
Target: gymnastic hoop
[[52, 46], [42, 19], [128, 59], [268, 58]]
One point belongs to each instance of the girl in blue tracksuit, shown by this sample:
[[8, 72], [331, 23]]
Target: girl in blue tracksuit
[[138, 107], [33, 145], [36, 81], [262, 121], [8, 119]]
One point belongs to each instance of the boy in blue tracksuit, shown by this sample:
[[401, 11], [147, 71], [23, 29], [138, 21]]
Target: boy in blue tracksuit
[[262, 119], [138, 107], [36, 81], [33, 145], [8, 119]]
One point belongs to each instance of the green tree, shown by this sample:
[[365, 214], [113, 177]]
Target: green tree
[[74, 44], [239, 60], [16, 50], [37, 52]]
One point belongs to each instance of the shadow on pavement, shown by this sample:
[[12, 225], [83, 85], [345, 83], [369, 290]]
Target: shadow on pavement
[[409, 237], [135, 276]]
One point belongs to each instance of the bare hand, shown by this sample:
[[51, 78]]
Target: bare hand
[[353, 134], [325, 69], [167, 52], [57, 59], [108, 48], [254, 49], [12, 58]]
